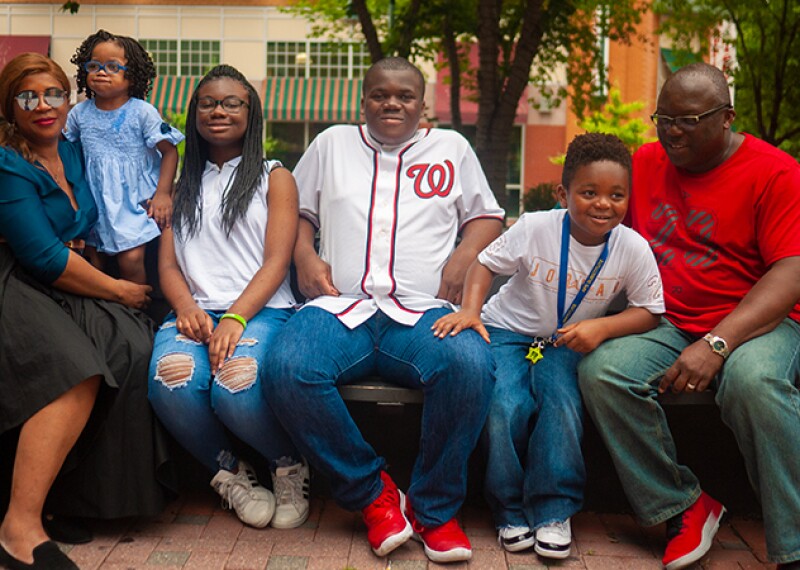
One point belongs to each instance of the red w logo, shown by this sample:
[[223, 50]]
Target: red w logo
[[438, 180]]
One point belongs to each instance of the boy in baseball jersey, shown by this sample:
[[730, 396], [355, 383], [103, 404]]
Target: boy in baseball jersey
[[566, 266], [388, 200]]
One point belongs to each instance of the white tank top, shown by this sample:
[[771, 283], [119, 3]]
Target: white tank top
[[217, 267]]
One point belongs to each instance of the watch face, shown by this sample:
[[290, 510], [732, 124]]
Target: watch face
[[718, 345]]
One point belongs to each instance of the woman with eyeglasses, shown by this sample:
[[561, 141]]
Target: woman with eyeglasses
[[129, 150], [224, 270], [73, 343]]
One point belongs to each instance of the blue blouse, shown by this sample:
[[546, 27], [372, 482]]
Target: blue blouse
[[36, 216]]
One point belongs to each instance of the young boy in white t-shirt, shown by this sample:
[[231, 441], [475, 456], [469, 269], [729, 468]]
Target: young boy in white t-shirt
[[566, 266]]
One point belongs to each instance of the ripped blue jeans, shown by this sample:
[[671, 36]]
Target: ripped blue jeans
[[196, 407]]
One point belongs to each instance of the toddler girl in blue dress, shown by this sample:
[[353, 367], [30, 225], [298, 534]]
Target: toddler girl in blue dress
[[129, 150]]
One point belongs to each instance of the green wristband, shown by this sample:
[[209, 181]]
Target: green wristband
[[238, 318]]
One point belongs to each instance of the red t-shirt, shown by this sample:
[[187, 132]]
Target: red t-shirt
[[715, 234]]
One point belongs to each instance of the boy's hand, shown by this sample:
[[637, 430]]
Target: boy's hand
[[160, 209], [584, 336], [454, 323]]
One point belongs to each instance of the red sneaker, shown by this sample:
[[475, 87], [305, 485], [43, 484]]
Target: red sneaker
[[443, 543], [387, 526], [691, 532]]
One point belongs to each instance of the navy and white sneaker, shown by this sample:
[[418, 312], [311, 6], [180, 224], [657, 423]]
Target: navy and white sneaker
[[515, 538], [554, 540]]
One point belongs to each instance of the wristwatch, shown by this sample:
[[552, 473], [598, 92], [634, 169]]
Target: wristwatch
[[718, 345]]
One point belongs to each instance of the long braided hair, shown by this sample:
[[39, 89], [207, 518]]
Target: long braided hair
[[187, 203], [141, 70]]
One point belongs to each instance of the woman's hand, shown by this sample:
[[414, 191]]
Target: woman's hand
[[133, 295], [223, 342], [195, 324]]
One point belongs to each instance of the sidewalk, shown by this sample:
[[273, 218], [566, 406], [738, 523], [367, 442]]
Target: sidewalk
[[195, 533]]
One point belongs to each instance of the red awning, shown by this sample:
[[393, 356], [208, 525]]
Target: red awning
[[12, 46]]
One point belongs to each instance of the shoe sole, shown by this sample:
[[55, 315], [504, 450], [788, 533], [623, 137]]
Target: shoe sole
[[553, 553], [399, 539], [518, 546], [294, 523], [702, 549], [454, 555]]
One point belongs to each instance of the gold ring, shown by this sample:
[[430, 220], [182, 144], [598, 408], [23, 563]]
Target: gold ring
[[691, 386]]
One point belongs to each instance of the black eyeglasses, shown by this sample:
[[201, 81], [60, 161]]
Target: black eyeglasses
[[29, 100], [111, 67], [684, 121], [230, 104]]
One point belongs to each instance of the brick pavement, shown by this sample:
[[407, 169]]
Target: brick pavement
[[195, 533]]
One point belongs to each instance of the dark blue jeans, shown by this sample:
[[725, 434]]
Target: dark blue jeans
[[535, 473], [315, 353]]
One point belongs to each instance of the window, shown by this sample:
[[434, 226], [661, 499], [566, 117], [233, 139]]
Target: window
[[317, 59], [195, 57]]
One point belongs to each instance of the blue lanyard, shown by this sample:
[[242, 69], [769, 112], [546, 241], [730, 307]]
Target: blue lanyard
[[564, 316]]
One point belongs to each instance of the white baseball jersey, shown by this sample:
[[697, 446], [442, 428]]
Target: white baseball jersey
[[388, 216], [530, 252]]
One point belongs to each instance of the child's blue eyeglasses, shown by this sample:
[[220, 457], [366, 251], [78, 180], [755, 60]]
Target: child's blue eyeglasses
[[109, 67]]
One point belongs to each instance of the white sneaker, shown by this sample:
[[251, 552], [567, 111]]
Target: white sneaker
[[253, 504], [554, 540], [515, 538], [290, 484]]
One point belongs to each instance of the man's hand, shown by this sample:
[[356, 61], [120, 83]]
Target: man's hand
[[583, 336], [454, 323], [693, 371], [133, 295], [452, 284], [314, 277], [195, 324]]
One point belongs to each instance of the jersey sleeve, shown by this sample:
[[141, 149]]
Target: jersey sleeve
[[478, 200], [72, 130], [308, 176], [28, 231], [642, 281], [155, 129], [505, 255]]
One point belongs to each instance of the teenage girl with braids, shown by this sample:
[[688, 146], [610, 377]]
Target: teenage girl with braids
[[224, 270], [129, 150]]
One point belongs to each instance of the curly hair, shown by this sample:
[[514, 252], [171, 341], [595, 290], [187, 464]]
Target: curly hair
[[22, 66], [187, 210], [594, 147], [141, 70]]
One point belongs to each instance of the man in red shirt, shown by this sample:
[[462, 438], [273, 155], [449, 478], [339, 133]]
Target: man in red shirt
[[721, 211]]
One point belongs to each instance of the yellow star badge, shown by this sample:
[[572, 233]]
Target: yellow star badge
[[534, 354]]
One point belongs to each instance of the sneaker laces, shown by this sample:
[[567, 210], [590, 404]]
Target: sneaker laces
[[674, 526], [238, 489], [290, 488]]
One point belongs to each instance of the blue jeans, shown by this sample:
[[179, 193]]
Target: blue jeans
[[315, 353], [535, 473], [196, 407], [757, 392]]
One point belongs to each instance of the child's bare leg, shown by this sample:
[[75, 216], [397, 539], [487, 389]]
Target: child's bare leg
[[94, 257], [131, 265]]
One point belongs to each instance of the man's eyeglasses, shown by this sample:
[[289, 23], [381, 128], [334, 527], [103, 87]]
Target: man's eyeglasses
[[111, 67], [230, 104], [29, 100], [684, 121]]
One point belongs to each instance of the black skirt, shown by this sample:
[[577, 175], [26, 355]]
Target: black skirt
[[51, 341]]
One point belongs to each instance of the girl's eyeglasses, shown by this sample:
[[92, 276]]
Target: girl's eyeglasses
[[230, 104], [109, 67], [29, 100]]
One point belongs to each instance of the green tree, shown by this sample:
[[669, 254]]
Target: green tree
[[519, 41], [617, 118], [767, 41]]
